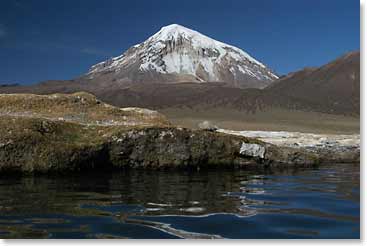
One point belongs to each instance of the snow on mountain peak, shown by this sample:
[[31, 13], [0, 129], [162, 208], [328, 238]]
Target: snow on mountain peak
[[172, 31], [178, 50], [175, 31]]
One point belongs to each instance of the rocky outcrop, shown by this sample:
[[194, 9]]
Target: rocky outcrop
[[35, 138], [34, 144]]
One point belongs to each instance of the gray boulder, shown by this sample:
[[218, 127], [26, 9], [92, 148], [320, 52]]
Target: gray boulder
[[207, 126]]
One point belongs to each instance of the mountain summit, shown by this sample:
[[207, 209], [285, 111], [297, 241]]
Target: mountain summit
[[179, 54]]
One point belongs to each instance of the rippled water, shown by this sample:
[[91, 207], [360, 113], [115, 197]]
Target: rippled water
[[303, 203]]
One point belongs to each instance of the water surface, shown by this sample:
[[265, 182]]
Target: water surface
[[293, 203]]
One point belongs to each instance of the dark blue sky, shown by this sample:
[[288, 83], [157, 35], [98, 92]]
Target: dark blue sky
[[41, 40]]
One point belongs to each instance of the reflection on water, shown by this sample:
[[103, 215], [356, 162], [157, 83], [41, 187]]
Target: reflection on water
[[303, 203]]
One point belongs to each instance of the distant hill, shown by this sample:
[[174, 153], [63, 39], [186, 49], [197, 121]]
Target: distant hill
[[333, 88], [9, 84]]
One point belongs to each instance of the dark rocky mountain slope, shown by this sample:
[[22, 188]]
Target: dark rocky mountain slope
[[333, 88]]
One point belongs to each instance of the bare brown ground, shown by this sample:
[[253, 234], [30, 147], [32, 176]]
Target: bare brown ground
[[274, 120]]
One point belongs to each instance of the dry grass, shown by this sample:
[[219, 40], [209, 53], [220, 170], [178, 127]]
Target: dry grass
[[79, 107]]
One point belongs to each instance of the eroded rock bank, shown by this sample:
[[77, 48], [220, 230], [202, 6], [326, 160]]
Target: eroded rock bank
[[33, 144], [327, 147], [77, 132]]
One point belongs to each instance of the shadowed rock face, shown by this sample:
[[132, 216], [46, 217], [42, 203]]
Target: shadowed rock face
[[34, 137]]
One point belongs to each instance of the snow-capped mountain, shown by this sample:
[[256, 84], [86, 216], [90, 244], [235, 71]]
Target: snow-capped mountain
[[179, 54]]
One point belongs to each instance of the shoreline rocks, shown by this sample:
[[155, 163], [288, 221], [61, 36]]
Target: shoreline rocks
[[254, 150], [42, 141], [327, 147], [74, 147]]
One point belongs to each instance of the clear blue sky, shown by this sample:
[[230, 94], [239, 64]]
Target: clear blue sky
[[41, 40]]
